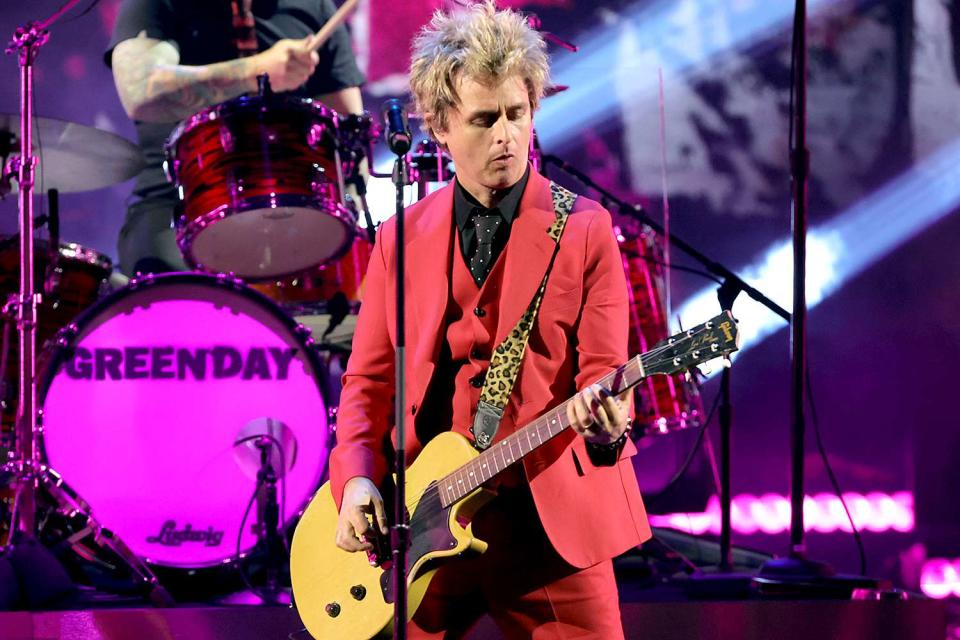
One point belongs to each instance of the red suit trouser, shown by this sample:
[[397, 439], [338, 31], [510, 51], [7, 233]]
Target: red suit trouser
[[521, 582]]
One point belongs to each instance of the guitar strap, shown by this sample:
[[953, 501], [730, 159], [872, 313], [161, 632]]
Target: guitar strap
[[505, 363]]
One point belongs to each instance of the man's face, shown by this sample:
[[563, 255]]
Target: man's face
[[488, 134]]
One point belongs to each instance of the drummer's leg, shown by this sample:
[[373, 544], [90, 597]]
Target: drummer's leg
[[147, 242]]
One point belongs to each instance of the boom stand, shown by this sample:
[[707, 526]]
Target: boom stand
[[731, 286]]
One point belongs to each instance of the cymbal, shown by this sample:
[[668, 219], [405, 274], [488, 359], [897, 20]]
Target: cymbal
[[75, 157]]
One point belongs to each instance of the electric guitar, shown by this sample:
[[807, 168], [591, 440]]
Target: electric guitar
[[340, 595]]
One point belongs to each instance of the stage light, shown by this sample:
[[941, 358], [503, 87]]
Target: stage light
[[618, 63], [842, 248], [940, 578], [823, 513]]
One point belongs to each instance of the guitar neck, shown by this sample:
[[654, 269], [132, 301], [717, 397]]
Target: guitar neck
[[514, 447]]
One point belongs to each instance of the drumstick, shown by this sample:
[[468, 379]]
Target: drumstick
[[315, 41]]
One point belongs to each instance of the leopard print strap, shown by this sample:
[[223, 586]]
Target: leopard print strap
[[505, 363]]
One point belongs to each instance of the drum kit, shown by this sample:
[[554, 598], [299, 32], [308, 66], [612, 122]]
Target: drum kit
[[167, 407]]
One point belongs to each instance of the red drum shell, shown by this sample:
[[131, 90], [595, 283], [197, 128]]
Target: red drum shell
[[261, 187], [73, 284], [663, 403]]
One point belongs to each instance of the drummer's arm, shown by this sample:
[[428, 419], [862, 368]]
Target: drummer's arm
[[155, 87]]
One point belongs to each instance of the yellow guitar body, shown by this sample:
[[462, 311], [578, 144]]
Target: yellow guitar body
[[338, 594]]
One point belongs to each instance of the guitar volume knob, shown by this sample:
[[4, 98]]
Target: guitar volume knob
[[358, 591], [332, 609]]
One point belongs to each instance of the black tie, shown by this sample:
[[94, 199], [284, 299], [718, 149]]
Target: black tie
[[486, 226]]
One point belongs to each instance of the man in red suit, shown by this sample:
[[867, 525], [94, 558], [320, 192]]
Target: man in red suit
[[477, 251]]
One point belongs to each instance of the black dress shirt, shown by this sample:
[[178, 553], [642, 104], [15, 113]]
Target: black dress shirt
[[465, 206]]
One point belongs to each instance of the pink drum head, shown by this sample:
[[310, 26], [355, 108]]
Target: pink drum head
[[154, 410]]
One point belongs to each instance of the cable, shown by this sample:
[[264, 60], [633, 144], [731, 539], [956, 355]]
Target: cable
[[833, 479], [680, 267], [239, 562], [84, 12], [693, 450]]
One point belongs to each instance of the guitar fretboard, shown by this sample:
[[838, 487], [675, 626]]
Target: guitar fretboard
[[502, 454]]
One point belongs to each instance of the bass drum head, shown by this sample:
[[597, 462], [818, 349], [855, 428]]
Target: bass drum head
[[155, 405]]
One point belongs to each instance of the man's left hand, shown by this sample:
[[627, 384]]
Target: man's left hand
[[598, 415]]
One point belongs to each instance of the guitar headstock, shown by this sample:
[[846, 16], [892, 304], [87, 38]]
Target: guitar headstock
[[713, 339]]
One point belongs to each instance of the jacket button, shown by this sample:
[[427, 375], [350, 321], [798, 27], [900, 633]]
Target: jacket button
[[477, 380], [479, 312], [413, 409]]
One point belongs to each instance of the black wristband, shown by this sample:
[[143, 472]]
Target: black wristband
[[610, 446]]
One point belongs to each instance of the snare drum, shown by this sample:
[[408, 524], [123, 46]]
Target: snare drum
[[261, 187], [156, 400]]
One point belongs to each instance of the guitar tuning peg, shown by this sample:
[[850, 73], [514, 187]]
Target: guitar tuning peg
[[705, 368], [726, 362]]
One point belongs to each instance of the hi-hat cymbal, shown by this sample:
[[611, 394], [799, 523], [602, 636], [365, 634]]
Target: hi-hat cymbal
[[75, 157]]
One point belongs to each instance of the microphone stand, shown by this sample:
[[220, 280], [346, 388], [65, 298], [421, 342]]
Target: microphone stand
[[268, 523], [796, 569], [400, 531], [731, 286]]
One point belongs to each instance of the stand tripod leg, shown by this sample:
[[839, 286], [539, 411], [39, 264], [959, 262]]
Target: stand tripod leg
[[85, 536]]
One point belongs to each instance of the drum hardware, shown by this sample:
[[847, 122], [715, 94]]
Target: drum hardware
[[356, 136], [429, 163]]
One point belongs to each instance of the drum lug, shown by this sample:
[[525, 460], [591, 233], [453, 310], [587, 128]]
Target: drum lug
[[316, 134], [230, 280], [332, 418], [320, 183], [139, 279], [226, 138], [171, 169], [67, 334]]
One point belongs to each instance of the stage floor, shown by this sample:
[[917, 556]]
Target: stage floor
[[754, 620]]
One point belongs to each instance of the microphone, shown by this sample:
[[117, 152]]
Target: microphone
[[397, 132]]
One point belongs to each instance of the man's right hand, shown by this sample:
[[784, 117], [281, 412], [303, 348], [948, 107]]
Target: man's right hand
[[289, 63], [360, 498]]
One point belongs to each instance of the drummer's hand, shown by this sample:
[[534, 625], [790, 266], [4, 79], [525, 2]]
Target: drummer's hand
[[598, 415], [289, 63], [360, 498]]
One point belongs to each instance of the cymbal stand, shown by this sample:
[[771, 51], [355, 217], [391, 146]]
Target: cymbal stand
[[24, 465]]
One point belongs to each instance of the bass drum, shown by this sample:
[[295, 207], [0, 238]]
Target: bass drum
[[159, 402]]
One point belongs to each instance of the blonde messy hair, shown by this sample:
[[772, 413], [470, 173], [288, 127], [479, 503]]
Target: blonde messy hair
[[481, 43]]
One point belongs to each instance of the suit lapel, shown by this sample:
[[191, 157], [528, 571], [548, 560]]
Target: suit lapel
[[528, 253]]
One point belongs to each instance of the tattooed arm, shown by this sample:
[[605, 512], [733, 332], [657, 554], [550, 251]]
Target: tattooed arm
[[154, 87]]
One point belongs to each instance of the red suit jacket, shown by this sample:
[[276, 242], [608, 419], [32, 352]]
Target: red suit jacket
[[589, 513]]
